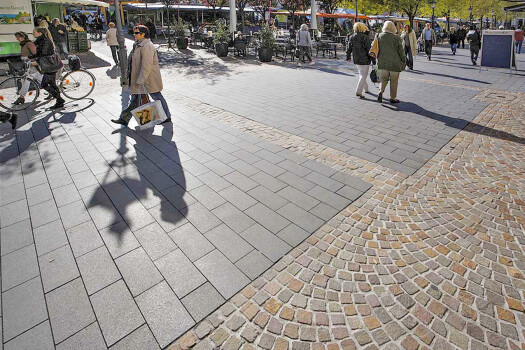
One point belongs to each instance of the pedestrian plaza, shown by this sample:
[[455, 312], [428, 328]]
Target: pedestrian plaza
[[278, 211]]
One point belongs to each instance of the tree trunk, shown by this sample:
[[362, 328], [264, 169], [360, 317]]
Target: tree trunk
[[214, 14], [411, 20], [242, 17]]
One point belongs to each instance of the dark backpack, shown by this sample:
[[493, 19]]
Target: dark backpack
[[74, 62]]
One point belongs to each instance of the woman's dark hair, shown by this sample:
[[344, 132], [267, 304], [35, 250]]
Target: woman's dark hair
[[143, 29], [22, 35], [409, 27]]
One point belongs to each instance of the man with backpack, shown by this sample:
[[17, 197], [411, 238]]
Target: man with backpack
[[474, 40]]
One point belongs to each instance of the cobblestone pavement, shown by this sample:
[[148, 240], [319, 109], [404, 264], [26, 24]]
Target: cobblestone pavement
[[124, 239], [429, 261]]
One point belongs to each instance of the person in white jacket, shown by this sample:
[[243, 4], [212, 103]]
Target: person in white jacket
[[111, 39], [410, 45], [304, 44]]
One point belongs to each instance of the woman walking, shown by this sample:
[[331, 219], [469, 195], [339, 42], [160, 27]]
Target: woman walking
[[144, 75], [410, 45], [453, 39], [304, 44], [27, 48], [358, 46], [391, 60], [111, 40], [49, 63]]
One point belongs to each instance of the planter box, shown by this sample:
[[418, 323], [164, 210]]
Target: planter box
[[265, 54], [221, 50]]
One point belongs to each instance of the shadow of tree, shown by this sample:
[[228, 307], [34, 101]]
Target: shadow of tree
[[125, 188], [34, 126]]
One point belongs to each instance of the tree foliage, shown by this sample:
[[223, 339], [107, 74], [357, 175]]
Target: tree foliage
[[216, 5], [292, 6], [241, 5], [329, 6], [261, 7]]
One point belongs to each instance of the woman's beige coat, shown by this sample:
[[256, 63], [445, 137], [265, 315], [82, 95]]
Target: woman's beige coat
[[145, 69], [413, 41]]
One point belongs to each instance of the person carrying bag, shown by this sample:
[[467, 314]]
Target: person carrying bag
[[391, 60], [144, 76], [49, 63], [148, 113]]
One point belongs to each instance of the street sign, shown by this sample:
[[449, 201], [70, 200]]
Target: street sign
[[497, 49]]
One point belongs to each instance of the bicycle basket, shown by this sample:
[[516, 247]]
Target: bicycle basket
[[16, 68]]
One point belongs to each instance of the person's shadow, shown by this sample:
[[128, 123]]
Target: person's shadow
[[133, 186], [458, 123]]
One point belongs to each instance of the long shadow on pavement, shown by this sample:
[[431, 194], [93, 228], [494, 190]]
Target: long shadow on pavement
[[127, 189], [457, 123]]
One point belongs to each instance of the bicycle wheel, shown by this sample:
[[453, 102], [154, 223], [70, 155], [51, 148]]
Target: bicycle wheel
[[10, 91], [77, 84]]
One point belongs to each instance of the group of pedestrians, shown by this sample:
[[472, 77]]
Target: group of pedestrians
[[395, 53], [387, 48]]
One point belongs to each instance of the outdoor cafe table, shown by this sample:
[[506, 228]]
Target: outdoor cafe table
[[332, 44]]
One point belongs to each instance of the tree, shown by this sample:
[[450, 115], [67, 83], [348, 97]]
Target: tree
[[241, 5], [216, 5], [411, 8], [291, 6], [263, 6], [168, 3], [329, 6], [367, 7]]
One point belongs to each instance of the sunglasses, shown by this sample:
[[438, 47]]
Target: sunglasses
[[137, 33]]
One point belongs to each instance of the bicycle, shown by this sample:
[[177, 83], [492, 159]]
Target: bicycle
[[73, 84]]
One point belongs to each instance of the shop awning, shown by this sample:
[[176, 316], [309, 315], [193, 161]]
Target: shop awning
[[515, 8], [340, 15], [157, 6], [74, 2]]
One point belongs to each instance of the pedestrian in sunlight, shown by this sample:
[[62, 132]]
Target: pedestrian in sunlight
[[143, 74], [391, 60], [358, 46]]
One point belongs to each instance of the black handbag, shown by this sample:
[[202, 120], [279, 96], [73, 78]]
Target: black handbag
[[50, 64], [373, 76]]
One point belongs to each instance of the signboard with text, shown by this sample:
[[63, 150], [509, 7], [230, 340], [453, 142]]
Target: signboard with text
[[15, 15], [497, 49]]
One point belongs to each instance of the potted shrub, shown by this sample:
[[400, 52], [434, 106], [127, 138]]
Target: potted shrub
[[180, 34], [221, 39], [267, 44]]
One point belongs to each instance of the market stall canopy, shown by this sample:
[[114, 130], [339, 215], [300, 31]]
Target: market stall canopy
[[73, 2], [515, 8], [330, 15], [157, 6]]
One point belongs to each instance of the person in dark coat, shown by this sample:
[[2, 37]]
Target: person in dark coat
[[453, 39], [358, 46], [474, 40], [44, 48], [462, 34], [99, 26], [59, 33]]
